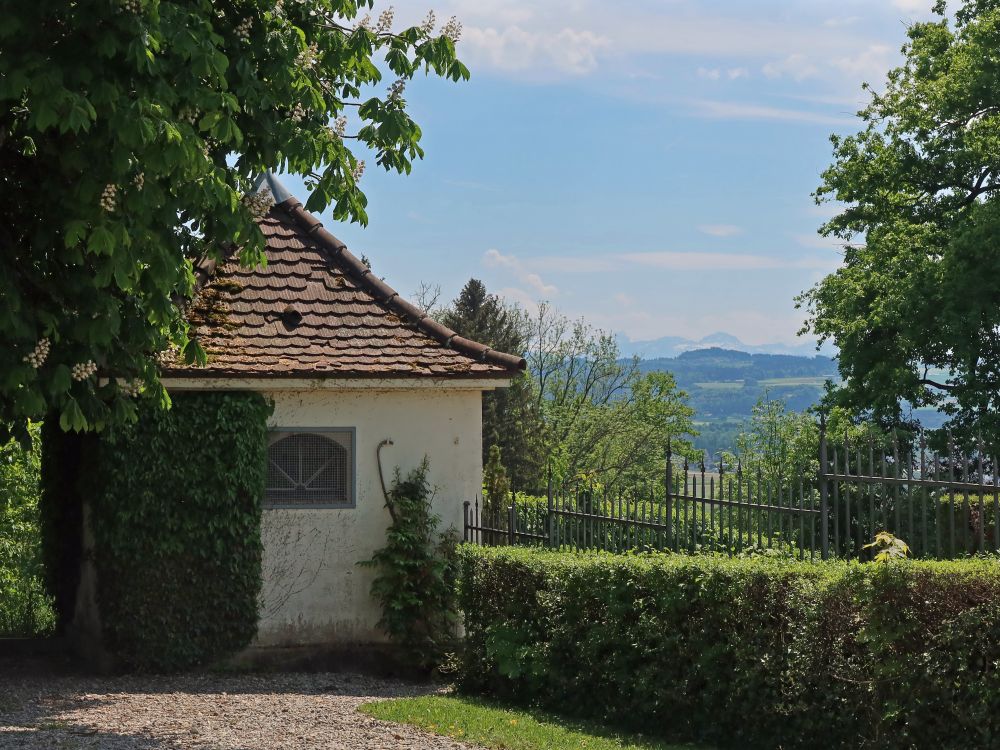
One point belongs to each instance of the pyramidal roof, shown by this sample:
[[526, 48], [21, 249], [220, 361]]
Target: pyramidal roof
[[315, 310]]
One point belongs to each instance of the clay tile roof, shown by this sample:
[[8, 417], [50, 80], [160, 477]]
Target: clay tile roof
[[315, 310]]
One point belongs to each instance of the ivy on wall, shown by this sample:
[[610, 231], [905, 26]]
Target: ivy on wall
[[175, 507]]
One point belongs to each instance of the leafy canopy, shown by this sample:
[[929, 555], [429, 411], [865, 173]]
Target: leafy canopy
[[130, 131], [604, 419], [915, 307]]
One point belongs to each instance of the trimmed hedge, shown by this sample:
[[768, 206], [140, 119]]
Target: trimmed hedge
[[175, 509], [746, 652]]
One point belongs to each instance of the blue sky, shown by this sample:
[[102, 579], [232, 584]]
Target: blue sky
[[646, 165]]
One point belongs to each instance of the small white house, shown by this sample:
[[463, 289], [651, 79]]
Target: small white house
[[357, 374]]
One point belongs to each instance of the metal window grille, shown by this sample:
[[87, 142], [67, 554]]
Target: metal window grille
[[310, 469]]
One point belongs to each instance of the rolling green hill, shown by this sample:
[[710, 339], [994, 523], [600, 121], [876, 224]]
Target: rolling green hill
[[723, 385]]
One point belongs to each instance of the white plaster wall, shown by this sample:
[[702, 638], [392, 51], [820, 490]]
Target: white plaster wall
[[314, 591]]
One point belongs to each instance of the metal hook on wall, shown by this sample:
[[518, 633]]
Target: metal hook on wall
[[381, 477]]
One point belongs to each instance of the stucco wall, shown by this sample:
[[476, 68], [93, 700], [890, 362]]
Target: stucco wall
[[314, 591]]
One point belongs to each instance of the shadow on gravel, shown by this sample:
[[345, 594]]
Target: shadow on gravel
[[46, 703]]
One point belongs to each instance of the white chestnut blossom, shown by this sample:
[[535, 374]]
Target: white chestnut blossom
[[298, 112], [385, 20], [259, 203], [359, 170], [83, 370], [167, 356], [396, 89], [109, 198], [36, 358], [243, 28], [307, 57], [139, 180], [131, 388], [364, 23], [428, 25], [339, 126], [453, 29], [188, 114], [132, 6]]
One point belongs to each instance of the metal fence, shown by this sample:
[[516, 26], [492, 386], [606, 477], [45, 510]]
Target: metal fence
[[941, 505]]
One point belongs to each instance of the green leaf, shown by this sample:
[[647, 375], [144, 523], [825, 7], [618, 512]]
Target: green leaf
[[74, 232], [101, 241], [194, 354], [209, 120], [62, 379], [71, 418]]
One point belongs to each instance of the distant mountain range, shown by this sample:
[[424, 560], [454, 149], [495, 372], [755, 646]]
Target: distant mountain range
[[673, 346]]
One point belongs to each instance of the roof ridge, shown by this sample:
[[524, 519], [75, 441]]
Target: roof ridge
[[385, 294]]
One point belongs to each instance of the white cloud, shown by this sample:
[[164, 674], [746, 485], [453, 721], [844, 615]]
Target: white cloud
[[569, 264], [519, 296], [871, 64], [493, 258], [839, 21], [514, 49], [720, 230], [795, 66], [695, 261], [912, 7], [673, 260], [722, 110], [714, 74], [577, 37]]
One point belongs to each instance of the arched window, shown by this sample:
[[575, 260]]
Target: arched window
[[310, 469]]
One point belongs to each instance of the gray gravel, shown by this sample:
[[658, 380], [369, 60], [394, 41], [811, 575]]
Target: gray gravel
[[224, 712]]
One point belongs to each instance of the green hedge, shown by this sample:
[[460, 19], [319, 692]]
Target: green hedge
[[175, 515], [744, 652]]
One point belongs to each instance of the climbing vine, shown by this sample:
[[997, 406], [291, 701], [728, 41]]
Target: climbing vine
[[417, 570]]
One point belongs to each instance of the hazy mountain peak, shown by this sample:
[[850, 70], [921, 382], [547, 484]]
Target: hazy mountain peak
[[673, 346]]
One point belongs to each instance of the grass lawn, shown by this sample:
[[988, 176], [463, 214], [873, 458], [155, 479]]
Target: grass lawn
[[493, 726]]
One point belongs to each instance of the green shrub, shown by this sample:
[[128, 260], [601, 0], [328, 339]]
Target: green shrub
[[751, 652], [25, 607], [175, 514]]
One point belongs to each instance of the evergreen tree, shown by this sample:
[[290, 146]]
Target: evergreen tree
[[511, 418]]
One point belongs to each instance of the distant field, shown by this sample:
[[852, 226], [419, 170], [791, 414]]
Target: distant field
[[736, 385], [722, 385], [816, 381]]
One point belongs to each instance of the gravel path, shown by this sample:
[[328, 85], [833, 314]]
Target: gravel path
[[222, 712]]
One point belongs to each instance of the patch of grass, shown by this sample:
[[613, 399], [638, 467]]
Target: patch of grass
[[495, 726]]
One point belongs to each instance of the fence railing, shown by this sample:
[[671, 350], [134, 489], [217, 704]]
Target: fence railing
[[941, 505]]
